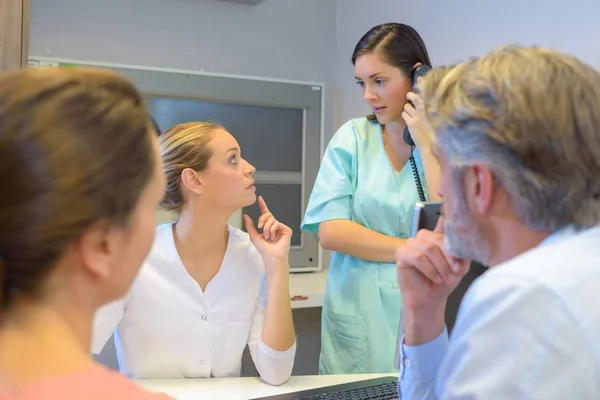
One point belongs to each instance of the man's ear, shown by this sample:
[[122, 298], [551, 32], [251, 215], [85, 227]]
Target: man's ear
[[97, 248], [482, 187], [191, 181]]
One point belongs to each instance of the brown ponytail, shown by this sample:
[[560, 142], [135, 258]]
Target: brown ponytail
[[75, 148]]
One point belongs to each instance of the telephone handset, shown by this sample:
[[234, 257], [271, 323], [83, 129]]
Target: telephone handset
[[415, 74]]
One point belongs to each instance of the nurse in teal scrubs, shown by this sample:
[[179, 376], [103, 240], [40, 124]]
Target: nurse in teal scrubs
[[362, 204]]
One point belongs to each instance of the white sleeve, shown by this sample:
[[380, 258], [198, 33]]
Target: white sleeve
[[106, 319], [274, 367], [515, 339]]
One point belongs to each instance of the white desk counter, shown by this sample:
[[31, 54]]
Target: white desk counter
[[307, 289], [242, 388]]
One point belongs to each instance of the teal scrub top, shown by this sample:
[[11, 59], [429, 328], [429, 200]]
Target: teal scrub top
[[361, 311]]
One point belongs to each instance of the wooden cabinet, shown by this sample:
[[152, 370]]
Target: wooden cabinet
[[14, 33]]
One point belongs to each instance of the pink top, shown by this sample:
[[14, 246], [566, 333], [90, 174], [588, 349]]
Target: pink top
[[95, 383]]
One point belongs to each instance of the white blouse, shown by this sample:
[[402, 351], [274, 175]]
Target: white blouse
[[167, 327]]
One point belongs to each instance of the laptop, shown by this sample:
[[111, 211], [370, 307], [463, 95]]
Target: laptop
[[377, 389], [425, 216]]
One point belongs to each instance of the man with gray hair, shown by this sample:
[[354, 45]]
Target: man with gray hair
[[517, 136]]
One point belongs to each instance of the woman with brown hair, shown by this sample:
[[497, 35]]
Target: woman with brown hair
[[80, 181], [362, 202], [207, 289]]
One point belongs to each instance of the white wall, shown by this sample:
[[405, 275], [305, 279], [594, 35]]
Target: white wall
[[287, 39], [456, 29], [300, 39]]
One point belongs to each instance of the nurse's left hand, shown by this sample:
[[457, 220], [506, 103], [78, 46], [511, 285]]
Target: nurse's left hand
[[273, 243]]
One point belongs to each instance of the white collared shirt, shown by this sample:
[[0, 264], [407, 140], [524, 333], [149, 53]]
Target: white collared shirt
[[526, 329], [167, 327]]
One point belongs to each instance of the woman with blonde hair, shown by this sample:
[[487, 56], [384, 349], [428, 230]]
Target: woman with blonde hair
[[207, 289], [80, 180]]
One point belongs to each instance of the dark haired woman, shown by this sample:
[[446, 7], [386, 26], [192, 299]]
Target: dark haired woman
[[363, 199]]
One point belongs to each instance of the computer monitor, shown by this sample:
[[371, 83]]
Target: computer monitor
[[425, 216]]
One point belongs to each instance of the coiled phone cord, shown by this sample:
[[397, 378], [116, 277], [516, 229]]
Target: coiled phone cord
[[415, 170]]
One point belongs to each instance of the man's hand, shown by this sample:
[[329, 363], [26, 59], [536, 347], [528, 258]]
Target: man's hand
[[427, 275]]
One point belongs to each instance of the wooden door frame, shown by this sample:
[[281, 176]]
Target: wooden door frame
[[14, 33]]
